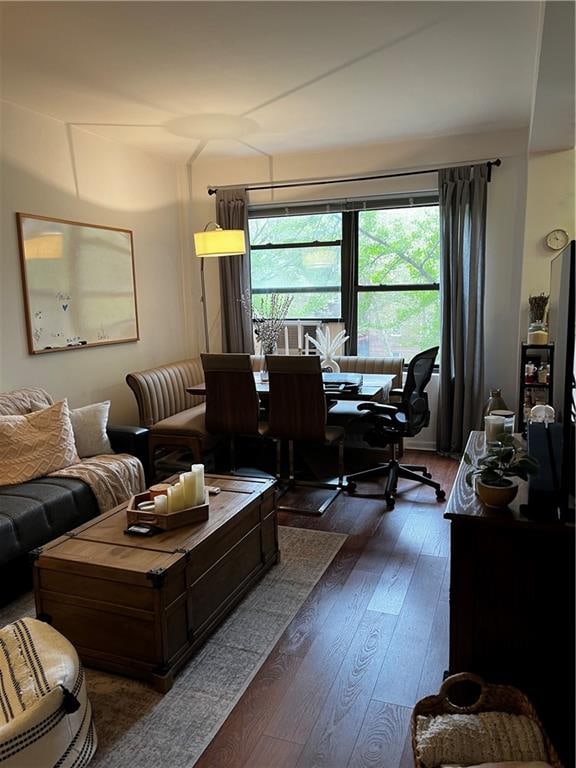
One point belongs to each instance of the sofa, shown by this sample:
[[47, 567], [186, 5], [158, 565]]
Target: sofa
[[39, 510], [176, 419]]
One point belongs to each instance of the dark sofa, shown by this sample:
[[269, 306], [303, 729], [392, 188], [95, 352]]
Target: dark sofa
[[35, 512]]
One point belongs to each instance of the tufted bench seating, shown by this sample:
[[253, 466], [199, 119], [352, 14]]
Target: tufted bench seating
[[45, 714], [176, 419]]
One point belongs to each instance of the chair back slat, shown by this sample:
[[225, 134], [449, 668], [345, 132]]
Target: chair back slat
[[297, 404], [232, 404]]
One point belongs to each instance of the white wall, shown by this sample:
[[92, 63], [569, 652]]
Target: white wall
[[82, 177], [550, 205], [505, 225]]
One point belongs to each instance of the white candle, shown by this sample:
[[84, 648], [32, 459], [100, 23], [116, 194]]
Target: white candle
[[198, 471], [307, 338], [299, 336], [177, 498], [188, 481], [169, 500], [161, 504], [286, 345]]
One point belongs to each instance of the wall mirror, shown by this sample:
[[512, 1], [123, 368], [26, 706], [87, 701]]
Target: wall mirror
[[79, 286]]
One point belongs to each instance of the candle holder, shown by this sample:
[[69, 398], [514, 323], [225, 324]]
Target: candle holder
[[169, 520]]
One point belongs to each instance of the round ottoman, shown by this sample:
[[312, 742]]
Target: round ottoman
[[45, 715]]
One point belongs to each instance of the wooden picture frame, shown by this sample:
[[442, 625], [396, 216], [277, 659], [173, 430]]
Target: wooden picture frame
[[79, 284]]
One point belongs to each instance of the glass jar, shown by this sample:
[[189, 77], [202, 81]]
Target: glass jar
[[495, 402], [538, 333]]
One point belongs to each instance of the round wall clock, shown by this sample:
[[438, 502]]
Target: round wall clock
[[557, 239]]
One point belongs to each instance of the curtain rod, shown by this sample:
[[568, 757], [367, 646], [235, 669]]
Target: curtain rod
[[319, 182]]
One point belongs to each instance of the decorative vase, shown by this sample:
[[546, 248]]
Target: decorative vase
[[329, 365], [538, 333], [269, 350], [495, 403], [496, 496]]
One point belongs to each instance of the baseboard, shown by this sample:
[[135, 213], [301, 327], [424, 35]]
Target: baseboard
[[411, 443]]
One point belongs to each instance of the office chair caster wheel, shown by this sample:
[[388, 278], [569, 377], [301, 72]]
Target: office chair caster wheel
[[427, 474], [350, 486], [440, 495]]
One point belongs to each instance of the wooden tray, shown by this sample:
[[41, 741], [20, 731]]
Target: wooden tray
[[166, 522]]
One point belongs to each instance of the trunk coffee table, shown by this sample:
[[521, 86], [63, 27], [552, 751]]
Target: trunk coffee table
[[141, 606]]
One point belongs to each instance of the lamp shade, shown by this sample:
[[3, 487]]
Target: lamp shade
[[219, 242]]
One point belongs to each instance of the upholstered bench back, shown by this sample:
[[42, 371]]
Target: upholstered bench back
[[357, 364], [161, 392]]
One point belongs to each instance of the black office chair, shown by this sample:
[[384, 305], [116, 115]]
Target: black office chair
[[391, 422]]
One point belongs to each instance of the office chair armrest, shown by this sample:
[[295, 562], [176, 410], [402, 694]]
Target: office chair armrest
[[396, 392], [383, 408]]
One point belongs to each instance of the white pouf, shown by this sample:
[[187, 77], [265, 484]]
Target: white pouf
[[45, 715]]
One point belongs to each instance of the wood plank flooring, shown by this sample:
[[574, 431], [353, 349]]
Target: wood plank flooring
[[338, 689]]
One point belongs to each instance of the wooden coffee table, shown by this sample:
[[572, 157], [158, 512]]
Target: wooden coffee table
[[141, 606]]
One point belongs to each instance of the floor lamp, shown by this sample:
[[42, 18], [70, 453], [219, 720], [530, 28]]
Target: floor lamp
[[213, 243]]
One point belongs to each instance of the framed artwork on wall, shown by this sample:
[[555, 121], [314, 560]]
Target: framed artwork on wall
[[79, 284]]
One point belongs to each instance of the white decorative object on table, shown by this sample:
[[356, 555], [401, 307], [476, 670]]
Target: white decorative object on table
[[328, 347]]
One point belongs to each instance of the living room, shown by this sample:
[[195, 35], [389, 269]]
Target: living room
[[89, 92]]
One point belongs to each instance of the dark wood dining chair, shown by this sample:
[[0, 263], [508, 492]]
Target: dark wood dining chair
[[232, 405], [297, 412]]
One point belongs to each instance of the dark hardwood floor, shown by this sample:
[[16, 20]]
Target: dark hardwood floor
[[371, 639]]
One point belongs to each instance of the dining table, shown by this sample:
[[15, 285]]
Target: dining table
[[373, 386]]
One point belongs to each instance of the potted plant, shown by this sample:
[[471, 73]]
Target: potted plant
[[504, 459]]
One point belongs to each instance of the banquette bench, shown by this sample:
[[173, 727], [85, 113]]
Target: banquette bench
[[176, 419]]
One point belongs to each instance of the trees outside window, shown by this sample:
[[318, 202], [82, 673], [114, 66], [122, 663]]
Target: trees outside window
[[394, 276]]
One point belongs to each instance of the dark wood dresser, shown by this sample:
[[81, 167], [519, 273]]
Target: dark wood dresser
[[512, 602]]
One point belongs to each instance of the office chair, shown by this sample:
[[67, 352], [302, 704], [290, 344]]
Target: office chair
[[392, 422]]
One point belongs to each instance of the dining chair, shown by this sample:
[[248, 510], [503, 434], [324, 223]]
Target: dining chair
[[297, 413], [232, 405]]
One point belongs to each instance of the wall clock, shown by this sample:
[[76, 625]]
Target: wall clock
[[557, 239]]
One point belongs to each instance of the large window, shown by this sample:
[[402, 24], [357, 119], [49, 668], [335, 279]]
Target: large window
[[379, 261]]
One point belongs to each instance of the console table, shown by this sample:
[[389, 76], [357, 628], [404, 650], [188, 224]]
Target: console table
[[512, 602]]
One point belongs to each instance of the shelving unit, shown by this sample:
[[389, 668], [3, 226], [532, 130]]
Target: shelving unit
[[535, 391]]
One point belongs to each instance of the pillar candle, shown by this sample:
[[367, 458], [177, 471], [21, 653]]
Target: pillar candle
[[299, 336], [169, 502], [307, 337], [286, 344], [198, 471], [188, 481], [178, 502], [161, 504]]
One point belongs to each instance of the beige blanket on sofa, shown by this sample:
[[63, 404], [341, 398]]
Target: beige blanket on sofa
[[113, 478]]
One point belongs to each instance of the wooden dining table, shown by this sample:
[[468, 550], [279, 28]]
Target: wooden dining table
[[375, 386]]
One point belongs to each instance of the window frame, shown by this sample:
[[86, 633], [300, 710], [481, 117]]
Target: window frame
[[349, 245]]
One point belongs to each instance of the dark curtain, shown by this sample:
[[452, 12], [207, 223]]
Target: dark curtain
[[232, 213], [349, 280], [462, 193]]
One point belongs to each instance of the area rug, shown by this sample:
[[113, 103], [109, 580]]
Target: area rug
[[138, 727]]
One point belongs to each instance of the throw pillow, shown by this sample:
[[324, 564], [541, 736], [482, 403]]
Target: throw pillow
[[89, 424], [35, 444]]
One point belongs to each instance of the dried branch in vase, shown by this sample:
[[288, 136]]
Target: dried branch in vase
[[268, 315], [537, 307]]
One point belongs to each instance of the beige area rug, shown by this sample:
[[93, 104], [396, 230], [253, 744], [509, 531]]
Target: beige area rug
[[139, 728]]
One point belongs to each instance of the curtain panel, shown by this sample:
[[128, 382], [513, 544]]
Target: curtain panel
[[232, 213], [463, 193]]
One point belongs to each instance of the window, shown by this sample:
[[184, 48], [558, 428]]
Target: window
[[300, 256], [386, 269]]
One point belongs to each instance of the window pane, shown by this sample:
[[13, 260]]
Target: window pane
[[398, 323], [295, 229], [399, 245], [310, 305], [296, 267]]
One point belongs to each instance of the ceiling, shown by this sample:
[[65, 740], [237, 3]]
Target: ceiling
[[276, 77]]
